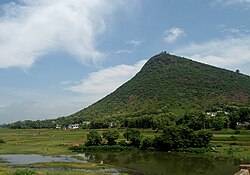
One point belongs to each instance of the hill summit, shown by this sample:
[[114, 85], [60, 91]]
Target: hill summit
[[174, 84]]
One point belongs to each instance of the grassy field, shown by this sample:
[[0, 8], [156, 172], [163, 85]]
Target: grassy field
[[46, 142], [230, 145], [226, 144]]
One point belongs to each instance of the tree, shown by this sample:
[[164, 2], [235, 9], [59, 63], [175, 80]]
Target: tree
[[134, 136], [2, 141], [202, 138], [93, 138], [234, 119], [147, 143], [194, 120], [24, 172], [111, 136], [218, 123], [244, 114], [174, 137], [99, 123]]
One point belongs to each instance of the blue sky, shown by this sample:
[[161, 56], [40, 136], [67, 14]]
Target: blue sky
[[57, 57]]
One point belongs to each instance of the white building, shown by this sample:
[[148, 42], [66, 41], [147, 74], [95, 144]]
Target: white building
[[73, 126]]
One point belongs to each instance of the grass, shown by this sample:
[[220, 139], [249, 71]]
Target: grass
[[65, 165], [227, 144], [8, 171], [46, 142]]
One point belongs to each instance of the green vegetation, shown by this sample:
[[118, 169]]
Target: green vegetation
[[8, 171], [93, 138], [103, 148], [48, 141], [24, 172], [2, 141], [65, 165], [172, 138], [45, 142], [111, 136], [134, 136]]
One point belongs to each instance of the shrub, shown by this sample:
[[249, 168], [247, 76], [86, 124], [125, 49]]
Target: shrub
[[237, 132], [23, 172], [134, 136], [175, 137], [123, 143], [233, 138], [234, 143], [2, 141], [111, 136], [202, 138], [147, 144], [105, 148], [93, 138]]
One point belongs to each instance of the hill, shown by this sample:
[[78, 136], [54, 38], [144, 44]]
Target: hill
[[169, 83]]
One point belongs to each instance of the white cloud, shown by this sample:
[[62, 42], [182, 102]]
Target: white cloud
[[107, 80], [123, 51], [172, 34], [244, 4], [233, 2], [225, 52], [232, 31], [30, 29], [135, 42], [65, 82]]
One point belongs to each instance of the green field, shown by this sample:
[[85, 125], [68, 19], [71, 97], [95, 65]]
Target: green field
[[46, 142], [225, 144], [230, 145]]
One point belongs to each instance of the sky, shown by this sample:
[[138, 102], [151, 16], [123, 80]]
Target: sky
[[59, 56]]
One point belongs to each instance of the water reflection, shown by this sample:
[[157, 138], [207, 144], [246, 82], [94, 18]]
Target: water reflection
[[36, 158], [157, 163], [167, 163]]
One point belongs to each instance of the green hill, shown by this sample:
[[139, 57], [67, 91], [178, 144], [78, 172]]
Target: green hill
[[169, 83]]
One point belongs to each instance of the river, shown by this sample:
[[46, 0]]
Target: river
[[144, 163]]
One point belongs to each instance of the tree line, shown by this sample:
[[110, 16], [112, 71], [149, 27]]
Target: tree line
[[228, 117], [172, 138]]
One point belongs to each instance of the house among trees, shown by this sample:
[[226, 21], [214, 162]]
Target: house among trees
[[73, 126], [213, 114], [58, 126], [85, 124]]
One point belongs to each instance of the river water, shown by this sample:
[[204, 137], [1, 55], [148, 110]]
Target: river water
[[162, 163], [142, 163]]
